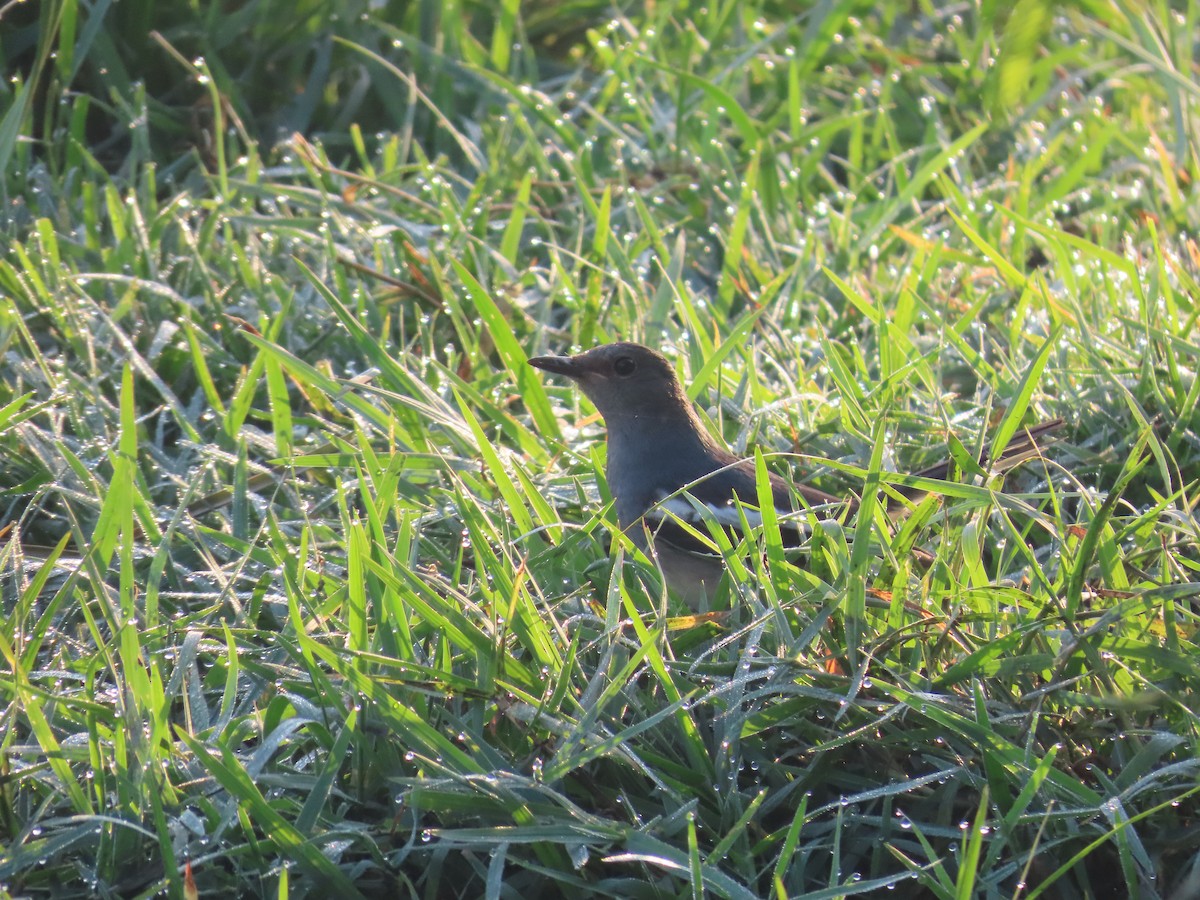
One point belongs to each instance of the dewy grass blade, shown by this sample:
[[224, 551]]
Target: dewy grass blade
[[364, 562]]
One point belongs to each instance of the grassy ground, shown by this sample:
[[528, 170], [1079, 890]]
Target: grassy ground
[[306, 575]]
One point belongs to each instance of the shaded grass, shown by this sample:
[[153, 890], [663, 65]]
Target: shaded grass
[[398, 655]]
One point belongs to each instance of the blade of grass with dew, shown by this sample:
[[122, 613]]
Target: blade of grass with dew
[[772, 539], [511, 494], [968, 866], [996, 766], [358, 549], [11, 124], [502, 585], [732, 259], [116, 515], [925, 174], [861, 553], [34, 701], [695, 869], [323, 785], [29, 639], [503, 35], [511, 352], [440, 610], [850, 395], [735, 338], [1009, 757], [228, 772], [388, 602], [582, 745], [666, 296], [510, 241], [334, 387], [1020, 401], [1135, 462], [648, 643], [933, 876], [410, 726]]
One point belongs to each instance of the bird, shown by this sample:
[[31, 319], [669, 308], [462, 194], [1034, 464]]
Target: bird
[[658, 450]]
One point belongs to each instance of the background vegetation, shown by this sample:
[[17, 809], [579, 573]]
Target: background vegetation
[[306, 576]]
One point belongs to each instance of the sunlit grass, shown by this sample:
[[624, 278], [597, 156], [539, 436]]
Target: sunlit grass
[[311, 584]]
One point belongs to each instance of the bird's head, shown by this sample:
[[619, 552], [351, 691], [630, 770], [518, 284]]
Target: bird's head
[[624, 380]]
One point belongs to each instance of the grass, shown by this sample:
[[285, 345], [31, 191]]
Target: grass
[[310, 583]]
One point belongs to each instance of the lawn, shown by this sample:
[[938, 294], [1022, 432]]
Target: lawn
[[313, 587]]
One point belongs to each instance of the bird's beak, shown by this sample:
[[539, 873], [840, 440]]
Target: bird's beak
[[558, 365]]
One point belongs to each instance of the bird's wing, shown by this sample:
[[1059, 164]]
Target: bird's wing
[[726, 499]]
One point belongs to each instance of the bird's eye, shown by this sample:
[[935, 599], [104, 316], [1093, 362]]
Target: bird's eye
[[624, 366]]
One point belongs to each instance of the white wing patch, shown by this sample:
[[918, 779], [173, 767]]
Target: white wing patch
[[673, 506], [669, 507]]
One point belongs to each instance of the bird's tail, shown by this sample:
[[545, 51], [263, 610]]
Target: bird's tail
[[1026, 444]]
